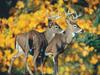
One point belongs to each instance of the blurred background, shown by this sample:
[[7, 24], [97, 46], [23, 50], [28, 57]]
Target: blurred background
[[18, 16]]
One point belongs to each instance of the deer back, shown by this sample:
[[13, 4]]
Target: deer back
[[21, 41]]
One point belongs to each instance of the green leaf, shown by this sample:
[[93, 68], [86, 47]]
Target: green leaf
[[97, 21]]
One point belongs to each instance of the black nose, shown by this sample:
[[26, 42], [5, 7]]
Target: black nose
[[82, 31]]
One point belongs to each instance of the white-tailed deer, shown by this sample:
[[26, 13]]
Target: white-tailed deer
[[35, 41], [60, 42]]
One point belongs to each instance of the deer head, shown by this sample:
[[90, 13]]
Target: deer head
[[72, 25], [53, 28]]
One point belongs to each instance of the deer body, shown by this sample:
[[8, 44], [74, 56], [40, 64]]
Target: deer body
[[34, 36], [60, 42], [39, 41]]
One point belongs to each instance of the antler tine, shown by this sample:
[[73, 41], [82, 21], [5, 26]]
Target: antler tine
[[77, 15], [68, 13], [54, 17], [50, 19]]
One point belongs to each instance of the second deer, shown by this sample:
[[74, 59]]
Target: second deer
[[60, 42]]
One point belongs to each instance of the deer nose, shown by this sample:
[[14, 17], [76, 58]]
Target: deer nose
[[82, 31]]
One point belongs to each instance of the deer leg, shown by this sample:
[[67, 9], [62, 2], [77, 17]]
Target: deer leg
[[42, 63], [42, 69], [30, 72], [26, 64], [42, 60], [36, 54], [55, 60], [25, 61], [12, 61]]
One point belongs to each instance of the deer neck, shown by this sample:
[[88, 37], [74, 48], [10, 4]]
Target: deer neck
[[69, 36], [49, 34]]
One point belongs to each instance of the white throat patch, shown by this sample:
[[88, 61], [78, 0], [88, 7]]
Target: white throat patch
[[73, 34], [62, 31], [53, 35]]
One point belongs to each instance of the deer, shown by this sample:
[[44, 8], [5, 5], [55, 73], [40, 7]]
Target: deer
[[61, 41], [34, 41]]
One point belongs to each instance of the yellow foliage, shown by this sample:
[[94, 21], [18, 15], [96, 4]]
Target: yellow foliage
[[66, 73], [85, 53], [62, 22], [89, 10], [30, 58], [67, 69], [7, 52], [36, 2], [2, 40], [67, 59], [91, 49], [60, 2], [20, 4], [98, 70], [4, 21], [76, 57], [10, 42], [10, 22], [1, 56], [49, 70], [75, 45], [86, 48], [82, 67], [94, 59], [82, 44], [8, 63], [74, 1], [81, 60], [44, 70], [16, 62]]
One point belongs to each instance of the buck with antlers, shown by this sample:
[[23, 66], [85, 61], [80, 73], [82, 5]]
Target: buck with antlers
[[34, 41], [60, 42]]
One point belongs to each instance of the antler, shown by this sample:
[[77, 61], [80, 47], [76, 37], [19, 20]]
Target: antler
[[51, 22], [74, 15], [68, 13], [77, 15], [54, 17]]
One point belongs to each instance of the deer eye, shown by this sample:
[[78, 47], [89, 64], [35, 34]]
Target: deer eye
[[56, 27], [75, 26]]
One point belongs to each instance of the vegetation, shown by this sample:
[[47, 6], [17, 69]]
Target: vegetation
[[81, 58]]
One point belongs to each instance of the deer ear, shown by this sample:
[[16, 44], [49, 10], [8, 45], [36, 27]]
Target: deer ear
[[49, 23], [68, 21]]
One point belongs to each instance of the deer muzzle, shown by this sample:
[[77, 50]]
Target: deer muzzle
[[80, 31]]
